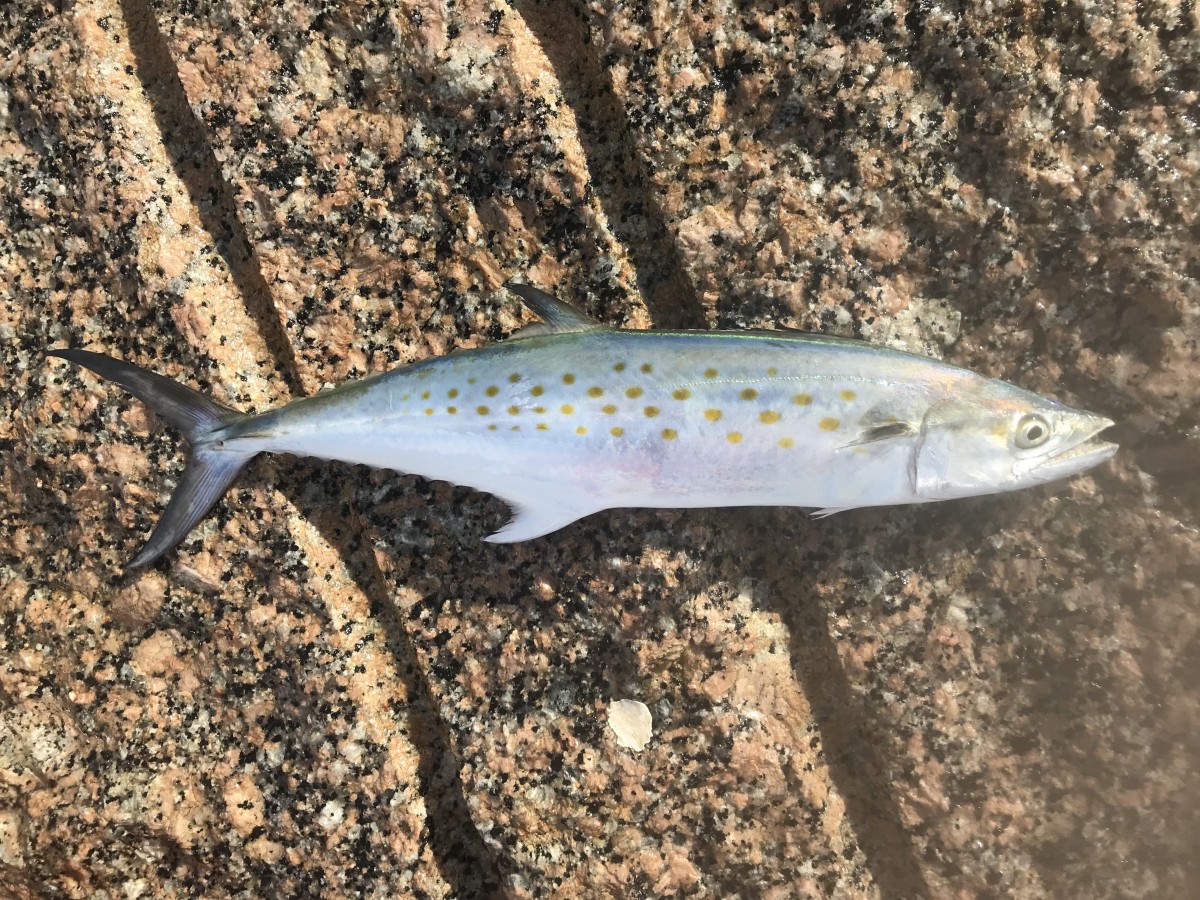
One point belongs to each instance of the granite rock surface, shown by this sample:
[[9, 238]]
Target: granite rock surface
[[334, 688]]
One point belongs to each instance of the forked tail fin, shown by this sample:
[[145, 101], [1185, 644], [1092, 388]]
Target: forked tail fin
[[210, 469]]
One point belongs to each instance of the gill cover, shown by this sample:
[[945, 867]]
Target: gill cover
[[958, 454]]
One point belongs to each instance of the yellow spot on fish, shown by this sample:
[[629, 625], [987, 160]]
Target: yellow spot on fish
[[669, 434], [492, 391], [768, 417], [581, 430], [616, 432], [681, 394], [734, 437], [710, 373], [404, 398], [491, 428], [470, 381], [452, 393], [829, 424], [567, 409], [848, 395], [515, 428], [424, 395], [537, 390], [595, 391], [429, 412], [452, 409], [539, 409], [712, 415], [749, 394], [513, 410], [514, 377], [618, 367], [772, 371], [650, 411], [647, 368], [633, 392], [568, 378], [802, 399], [1001, 430], [542, 426], [482, 410], [610, 409], [787, 443]]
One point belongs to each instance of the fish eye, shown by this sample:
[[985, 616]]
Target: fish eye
[[1032, 431]]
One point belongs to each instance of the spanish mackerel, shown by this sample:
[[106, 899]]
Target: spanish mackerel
[[569, 417]]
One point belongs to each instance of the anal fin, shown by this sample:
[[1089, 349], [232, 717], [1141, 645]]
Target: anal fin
[[530, 520]]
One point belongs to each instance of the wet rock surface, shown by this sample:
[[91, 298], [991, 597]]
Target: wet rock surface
[[334, 688]]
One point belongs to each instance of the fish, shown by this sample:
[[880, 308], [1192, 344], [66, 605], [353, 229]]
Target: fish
[[569, 417]]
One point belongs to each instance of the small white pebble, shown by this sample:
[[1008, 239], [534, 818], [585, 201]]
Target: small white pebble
[[631, 723]]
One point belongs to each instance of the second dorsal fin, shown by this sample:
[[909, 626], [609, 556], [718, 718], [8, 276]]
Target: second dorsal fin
[[557, 315]]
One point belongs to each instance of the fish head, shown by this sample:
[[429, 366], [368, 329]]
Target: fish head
[[998, 437]]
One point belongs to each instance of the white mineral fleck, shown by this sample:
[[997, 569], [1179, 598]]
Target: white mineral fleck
[[331, 815]]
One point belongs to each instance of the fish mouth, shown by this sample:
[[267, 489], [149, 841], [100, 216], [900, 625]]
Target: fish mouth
[[1089, 451]]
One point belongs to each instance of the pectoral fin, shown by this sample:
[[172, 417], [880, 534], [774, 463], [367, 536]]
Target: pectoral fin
[[885, 431]]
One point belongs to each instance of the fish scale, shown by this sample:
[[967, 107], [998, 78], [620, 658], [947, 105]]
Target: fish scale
[[571, 418]]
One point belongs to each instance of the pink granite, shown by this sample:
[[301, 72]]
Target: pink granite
[[333, 688]]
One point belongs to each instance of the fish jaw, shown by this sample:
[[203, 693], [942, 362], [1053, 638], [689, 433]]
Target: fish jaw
[[1085, 451]]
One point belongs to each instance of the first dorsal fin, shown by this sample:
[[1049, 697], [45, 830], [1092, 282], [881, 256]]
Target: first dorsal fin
[[558, 315]]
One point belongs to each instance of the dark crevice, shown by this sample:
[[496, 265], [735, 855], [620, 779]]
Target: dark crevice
[[463, 859], [615, 164], [461, 855], [194, 162], [849, 731]]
